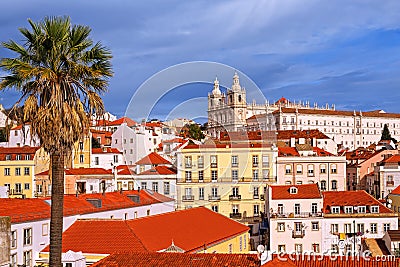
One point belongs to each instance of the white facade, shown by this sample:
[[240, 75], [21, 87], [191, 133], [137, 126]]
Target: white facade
[[21, 136], [106, 159], [39, 229]]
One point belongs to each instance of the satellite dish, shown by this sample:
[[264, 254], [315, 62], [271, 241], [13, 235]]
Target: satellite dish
[[389, 201], [389, 205], [260, 249], [341, 244]]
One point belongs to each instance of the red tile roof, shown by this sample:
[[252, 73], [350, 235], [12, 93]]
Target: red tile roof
[[154, 124], [227, 145], [25, 210], [351, 198], [282, 100], [100, 237], [18, 127], [288, 152], [190, 229], [287, 134], [396, 191], [152, 259], [82, 171], [106, 150], [246, 136], [320, 152], [125, 170], [333, 261], [175, 140], [14, 151], [393, 159], [122, 120], [277, 262], [153, 159], [159, 170], [305, 191]]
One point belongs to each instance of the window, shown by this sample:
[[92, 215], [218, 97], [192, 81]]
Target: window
[[256, 209], [27, 186], [348, 209], [27, 236], [235, 191], [200, 162], [214, 192], [255, 192], [334, 185], [298, 248], [155, 186], [14, 260], [13, 239], [214, 176], [240, 243], [323, 185], [45, 229], [334, 249], [314, 208], [115, 158], [335, 209], [234, 175], [96, 160], [255, 160], [374, 209], [214, 161], [386, 227], [81, 145], [310, 170], [315, 248], [281, 227], [18, 188], [188, 176], [143, 185], [347, 228], [373, 228], [360, 228], [39, 188], [299, 169], [214, 208], [28, 258], [265, 173], [201, 176], [322, 168], [6, 171], [314, 226], [297, 209], [81, 158], [8, 157], [293, 190], [265, 161], [255, 175], [280, 208], [188, 162], [18, 157], [235, 209], [333, 168], [334, 228], [234, 161], [17, 171], [288, 169], [281, 248], [166, 188], [27, 157], [201, 193]]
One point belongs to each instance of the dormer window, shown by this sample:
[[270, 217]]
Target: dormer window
[[18, 157], [361, 209], [348, 209], [374, 209], [335, 210], [8, 157], [293, 190]]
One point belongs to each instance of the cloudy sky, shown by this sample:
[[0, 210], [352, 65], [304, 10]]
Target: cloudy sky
[[345, 53]]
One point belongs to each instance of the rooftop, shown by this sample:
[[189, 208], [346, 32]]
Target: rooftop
[[305, 191], [159, 170], [151, 259], [153, 159], [82, 171], [106, 150]]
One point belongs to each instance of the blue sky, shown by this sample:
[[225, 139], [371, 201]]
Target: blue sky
[[345, 53]]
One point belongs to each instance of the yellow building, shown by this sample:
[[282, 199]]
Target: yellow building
[[17, 170], [228, 178], [80, 157]]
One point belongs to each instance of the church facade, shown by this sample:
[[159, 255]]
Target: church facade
[[349, 129]]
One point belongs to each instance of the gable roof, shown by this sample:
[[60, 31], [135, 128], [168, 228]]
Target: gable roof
[[396, 191], [305, 191], [33, 209], [106, 150], [159, 170], [152, 159], [351, 198], [314, 133], [122, 120], [288, 151], [152, 259]]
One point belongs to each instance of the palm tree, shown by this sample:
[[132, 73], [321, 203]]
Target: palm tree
[[60, 73]]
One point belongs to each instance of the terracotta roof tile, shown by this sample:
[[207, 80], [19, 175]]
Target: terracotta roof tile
[[305, 191], [153, 159], [351, 198], [392, 159], [159, 170], [287, 134], [122, 120], [106, 150], [152, 259], [14, 151], [288, 152], [83, 171], [125, 170], [396, 191]]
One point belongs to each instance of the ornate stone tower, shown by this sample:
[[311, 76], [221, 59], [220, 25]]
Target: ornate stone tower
[[236, 100]]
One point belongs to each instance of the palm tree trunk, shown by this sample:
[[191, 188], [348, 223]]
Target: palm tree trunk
[[57, 206]]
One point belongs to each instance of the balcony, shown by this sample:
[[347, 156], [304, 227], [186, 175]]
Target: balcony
[[389, 183], [298, 234], [188, 198], [214, 197], [235, 215], [235, 197], [14, 192], [296, 215], [256, 196]]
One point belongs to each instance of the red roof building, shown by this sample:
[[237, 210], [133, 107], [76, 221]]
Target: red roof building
[[306, 191], [153, 159]]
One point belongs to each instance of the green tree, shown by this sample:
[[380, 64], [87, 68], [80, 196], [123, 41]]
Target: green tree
[[386, 134], [3, 134], [194, 131], [60, 73]]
